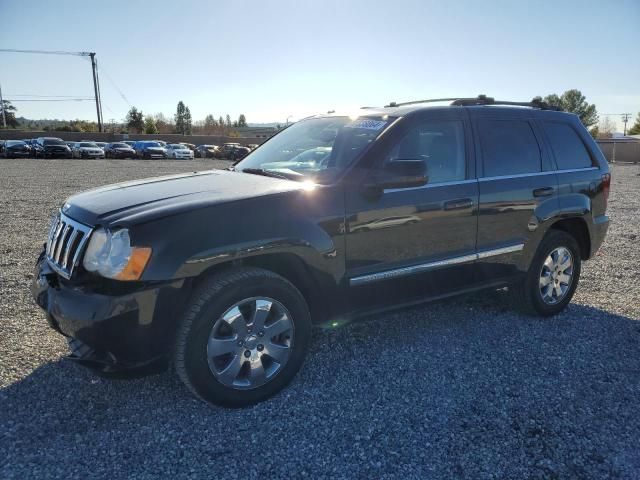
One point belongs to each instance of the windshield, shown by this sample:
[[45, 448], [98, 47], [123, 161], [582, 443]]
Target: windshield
[[317, 149], [151, 144], [13, 143], [53, 142], [88, 144], [119, 145], [176, 146]]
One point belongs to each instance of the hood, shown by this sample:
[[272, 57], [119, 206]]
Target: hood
[[141, 201]]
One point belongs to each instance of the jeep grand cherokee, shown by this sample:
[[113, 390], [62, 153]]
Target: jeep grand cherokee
[[223, 273]]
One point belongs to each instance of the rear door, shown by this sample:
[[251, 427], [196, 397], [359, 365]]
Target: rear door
[[518, 188]]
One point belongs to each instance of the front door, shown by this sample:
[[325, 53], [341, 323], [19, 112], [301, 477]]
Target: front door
[[421, 241]]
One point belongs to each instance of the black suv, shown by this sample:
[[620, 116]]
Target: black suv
[[51, 147], [223, 273]]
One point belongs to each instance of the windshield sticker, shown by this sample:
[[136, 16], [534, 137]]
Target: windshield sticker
[[366, 124]]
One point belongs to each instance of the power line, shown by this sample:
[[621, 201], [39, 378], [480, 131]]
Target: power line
[[48, 96], [50, 99], [113, 84], [45, 52]]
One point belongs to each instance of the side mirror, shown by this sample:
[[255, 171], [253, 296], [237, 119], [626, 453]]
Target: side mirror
[[404, 173]]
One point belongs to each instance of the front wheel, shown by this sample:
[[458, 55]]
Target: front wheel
[[243, 338], [553, 275]]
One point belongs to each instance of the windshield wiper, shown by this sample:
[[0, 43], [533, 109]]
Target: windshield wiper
[[269, 173]]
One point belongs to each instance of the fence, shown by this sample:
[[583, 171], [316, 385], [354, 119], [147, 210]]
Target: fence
[[620, 151]]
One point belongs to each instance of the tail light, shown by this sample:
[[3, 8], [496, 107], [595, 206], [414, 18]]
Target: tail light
[[606, 186]]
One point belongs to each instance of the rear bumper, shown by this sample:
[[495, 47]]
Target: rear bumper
[[111, 331], [598, 232]]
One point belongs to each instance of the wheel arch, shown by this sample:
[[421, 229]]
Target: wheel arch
[[578, 229], [289, 266]]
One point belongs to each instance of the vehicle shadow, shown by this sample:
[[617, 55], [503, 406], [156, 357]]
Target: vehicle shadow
[[463, 375]]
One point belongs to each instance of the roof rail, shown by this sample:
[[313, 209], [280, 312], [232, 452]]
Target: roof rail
[[484, 100], [480, 100], [430, 100]]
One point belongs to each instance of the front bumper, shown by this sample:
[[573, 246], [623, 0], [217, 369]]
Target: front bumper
[[127, 328]]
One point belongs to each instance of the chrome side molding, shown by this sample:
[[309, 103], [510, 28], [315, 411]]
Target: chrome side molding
[[423, 267]]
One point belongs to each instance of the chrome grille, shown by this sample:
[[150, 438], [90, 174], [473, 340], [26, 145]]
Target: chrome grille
[[65, 244]]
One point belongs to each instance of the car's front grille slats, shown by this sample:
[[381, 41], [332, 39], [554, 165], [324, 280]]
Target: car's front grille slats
[[65, 245]]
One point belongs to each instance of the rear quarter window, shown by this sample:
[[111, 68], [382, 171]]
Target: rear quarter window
[[567, 147], [509, 147]]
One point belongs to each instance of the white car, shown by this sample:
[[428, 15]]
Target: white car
[[178, 151], [87, 150]]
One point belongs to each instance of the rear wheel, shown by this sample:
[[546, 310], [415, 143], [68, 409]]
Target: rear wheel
[[552, 277], [243, 338]]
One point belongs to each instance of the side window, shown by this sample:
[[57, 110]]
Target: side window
[[509, 147], [440, 145], [567, 147]]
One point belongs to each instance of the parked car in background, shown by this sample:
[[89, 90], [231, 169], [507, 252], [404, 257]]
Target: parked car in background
[[206, 151], [51, 147], [70, 143], [15, 149], [87, 150], [178, 151], [233, 151], [119, 150], [131, 143], [101, 144], [252, 146], [190, 146], [225, 150], [149, 149]]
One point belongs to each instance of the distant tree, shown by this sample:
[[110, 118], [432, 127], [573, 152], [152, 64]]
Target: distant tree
[[594, 131], [635, 128], [235, 124], [228, 121], [187, 121], [163, 124], [135, 120], [574, 101], [242, 121], [209, 125], [150, 125], [9, 114], [181, 110], [221, 121], [606, 128]]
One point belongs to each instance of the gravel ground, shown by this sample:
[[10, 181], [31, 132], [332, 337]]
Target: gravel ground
[[464, 388]]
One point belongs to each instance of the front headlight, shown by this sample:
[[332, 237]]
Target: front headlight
[[111, 255]]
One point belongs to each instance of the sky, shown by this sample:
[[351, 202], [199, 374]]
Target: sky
[[277, 60]]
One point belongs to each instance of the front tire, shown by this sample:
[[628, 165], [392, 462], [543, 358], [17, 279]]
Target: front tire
[[243, 337], [553, 276]]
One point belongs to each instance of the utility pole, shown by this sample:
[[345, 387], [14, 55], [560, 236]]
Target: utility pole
[[625, 119], [95, 89], [94, 69], [4, 118]]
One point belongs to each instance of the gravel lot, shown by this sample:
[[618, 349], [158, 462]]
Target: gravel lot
[[464, 388]]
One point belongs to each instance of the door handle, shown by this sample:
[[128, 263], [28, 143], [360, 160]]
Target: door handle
[[543, 192], [458, 204]]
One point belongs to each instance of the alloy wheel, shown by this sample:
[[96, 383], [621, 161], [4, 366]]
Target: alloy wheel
[[250, 343], [556, 275]]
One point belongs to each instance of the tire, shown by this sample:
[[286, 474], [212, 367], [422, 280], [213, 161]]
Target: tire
[[529, 293], [218, 297]]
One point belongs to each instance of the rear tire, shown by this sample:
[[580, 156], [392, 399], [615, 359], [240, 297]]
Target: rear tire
[[553, 276], [224, 353]]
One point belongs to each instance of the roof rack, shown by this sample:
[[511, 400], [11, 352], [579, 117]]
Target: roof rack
[[482, 100]]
